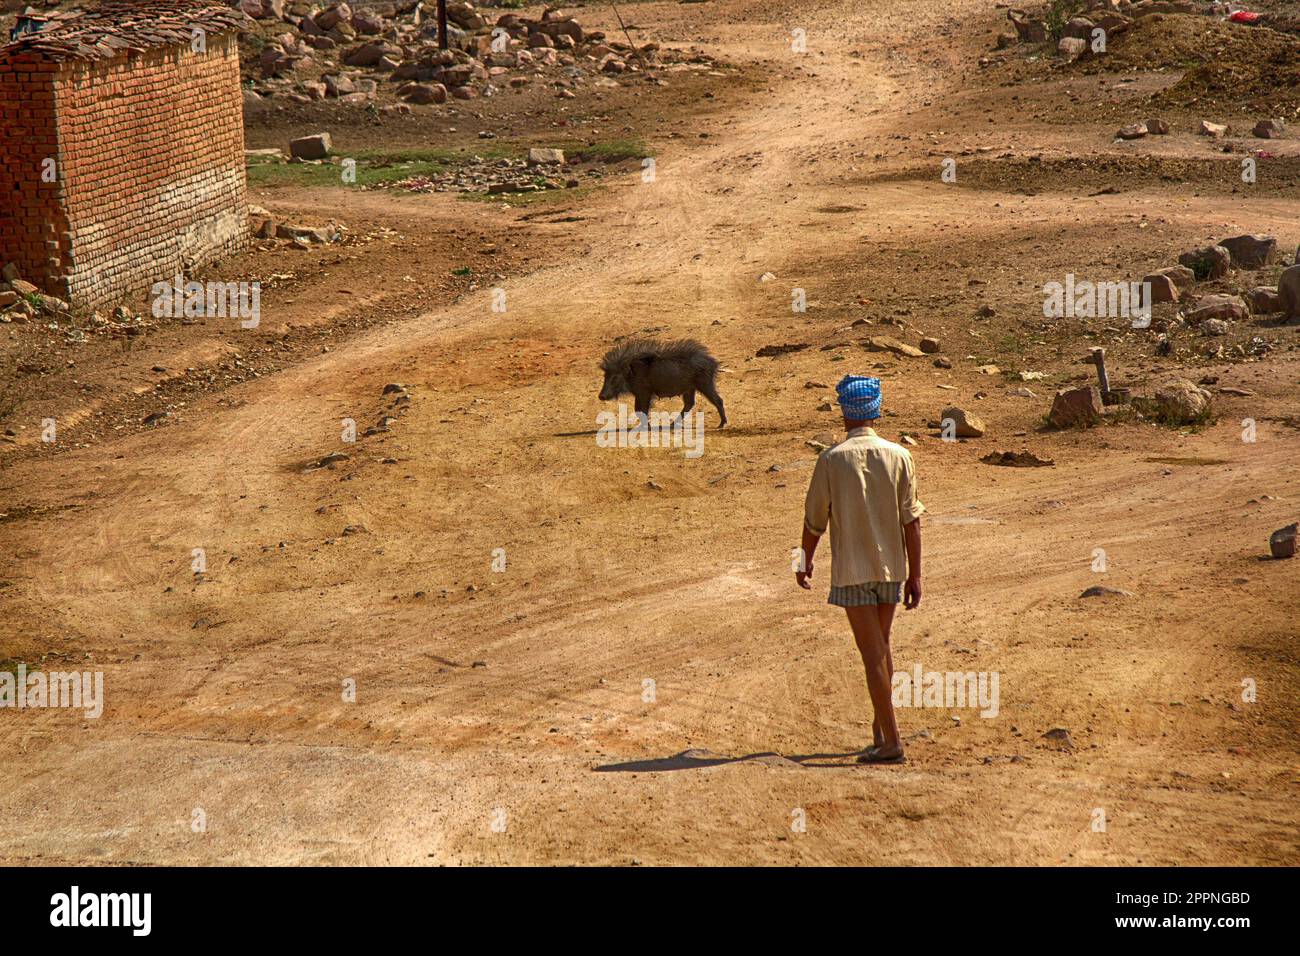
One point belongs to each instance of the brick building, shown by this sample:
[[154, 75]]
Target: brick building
[[122, 147]]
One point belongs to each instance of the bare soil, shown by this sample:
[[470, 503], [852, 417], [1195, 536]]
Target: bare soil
[[644, 683]]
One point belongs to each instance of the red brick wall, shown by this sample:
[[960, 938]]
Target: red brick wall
[[30, 209], [150, 152]]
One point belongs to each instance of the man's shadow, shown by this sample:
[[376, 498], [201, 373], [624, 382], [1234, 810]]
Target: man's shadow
[[699, 759]]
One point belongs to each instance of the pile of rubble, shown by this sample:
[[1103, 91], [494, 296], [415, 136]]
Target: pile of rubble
[[543, 169], [1077, 37], [349, 55], [1214, 314], [20, 301]]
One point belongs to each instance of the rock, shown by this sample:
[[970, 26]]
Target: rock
[[964, 424], [929, 346], [537, 157], [1076, 407], [1163, 288], [1157, 127], [1029, 30], [23, 288], [1214, 327], [1183, 277], [10, 272], [1269, 129], [1079, 27], [942, 362], [1251, 252], [465, 16], [368, 23], [464, 93], [1100, 590], [1060, 736], [339, 85], [1263, 300], [310, 147], [322, 235], [423, 93], [1179, 402], [368, 54], [1288, 293], [329, 19], [1133, 131], [1212, 129], [770, 351], [1071, 48], [883, 343], [1016, 459], [1208, 262], [1228, 308], [7, 298], [1281, 543]]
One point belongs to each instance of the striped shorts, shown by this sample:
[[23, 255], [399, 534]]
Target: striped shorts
[[872, 592]]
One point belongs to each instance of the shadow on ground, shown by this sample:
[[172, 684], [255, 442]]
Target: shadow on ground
[[699, 759]]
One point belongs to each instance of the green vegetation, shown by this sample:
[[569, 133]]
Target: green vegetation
[[1061, 12], [373, 166], [612, 151]]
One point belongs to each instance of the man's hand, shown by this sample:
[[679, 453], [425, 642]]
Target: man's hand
[[803, 576], [912, 593]]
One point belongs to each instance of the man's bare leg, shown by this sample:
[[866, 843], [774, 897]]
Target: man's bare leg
[[874, 649], [886, 615]]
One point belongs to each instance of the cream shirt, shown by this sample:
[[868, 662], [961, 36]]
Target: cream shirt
[[865, 488]]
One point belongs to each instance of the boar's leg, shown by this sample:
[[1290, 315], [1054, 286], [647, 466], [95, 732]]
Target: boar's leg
[[642, 406], [688, 402], [711, 393]]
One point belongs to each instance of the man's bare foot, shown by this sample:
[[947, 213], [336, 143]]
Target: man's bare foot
[[875, 754]]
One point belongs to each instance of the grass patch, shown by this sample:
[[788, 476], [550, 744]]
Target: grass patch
[[610, 151], [374, 166]]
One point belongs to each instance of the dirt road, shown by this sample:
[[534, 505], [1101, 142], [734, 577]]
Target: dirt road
[[541, 714]]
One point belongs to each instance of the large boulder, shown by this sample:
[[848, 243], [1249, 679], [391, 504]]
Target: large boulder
[[1078, 27], [1288, 293], [1208, 262], [368, 23], [964, 424], [1182, 277], [368, 54], [465, 16], [329, 19], [1282, 542], [1028, 29], [1071, 48], [310, 147], [1227, 308], [1073, 407], [1264, 300], [1269, 129], [1250, 252], [1163, 288], [423, 93], [1179, 402]]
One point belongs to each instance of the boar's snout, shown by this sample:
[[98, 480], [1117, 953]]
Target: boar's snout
[[608, 389]]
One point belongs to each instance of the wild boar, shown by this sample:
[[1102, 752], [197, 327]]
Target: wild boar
[[648, 369]]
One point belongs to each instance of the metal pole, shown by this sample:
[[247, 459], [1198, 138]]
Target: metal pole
[[442, 24]]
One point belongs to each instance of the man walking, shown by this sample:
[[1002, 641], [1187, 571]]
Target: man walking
[[865, 489]]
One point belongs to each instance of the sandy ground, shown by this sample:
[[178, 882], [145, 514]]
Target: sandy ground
[[508, 717]]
